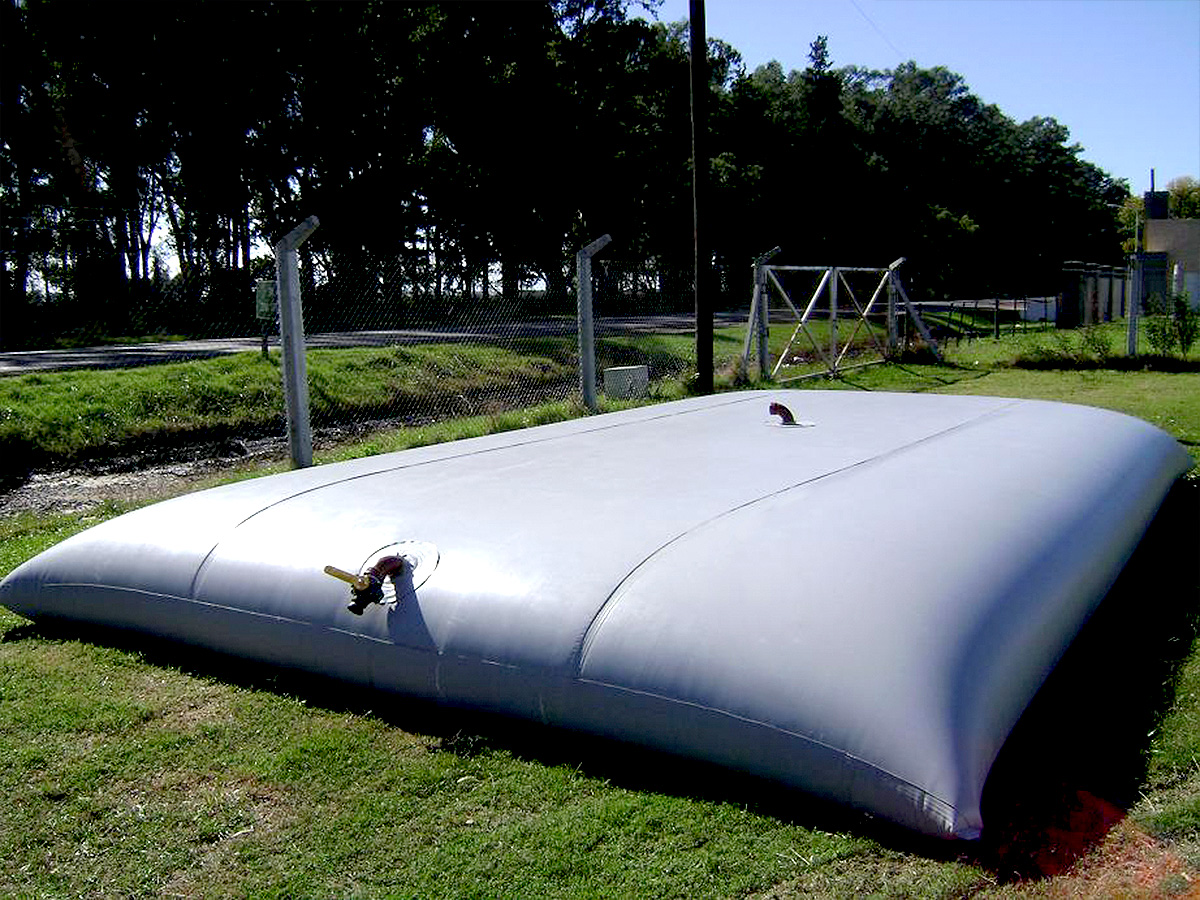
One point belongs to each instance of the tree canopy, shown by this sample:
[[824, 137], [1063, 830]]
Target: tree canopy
[[455, 140]]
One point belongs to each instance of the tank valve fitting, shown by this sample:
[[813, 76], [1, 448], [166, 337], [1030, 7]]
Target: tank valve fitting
[[785, 414], [367, 588]]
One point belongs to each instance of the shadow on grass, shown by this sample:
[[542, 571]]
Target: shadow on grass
[[1078, 756], [472, 733], [928, 378], [1074, 762], [1052, 360]]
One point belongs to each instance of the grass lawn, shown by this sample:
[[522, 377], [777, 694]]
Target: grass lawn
[[66, 416], [61, 418], [137, 769], [1052, 366]]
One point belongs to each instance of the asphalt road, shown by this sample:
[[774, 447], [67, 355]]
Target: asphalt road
[[19, 362]]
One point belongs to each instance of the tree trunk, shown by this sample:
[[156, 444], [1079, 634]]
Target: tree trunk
[[244, 225], [182, 247], [509, 281]]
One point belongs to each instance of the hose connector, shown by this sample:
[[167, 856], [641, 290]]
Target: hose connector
[[367, 588]]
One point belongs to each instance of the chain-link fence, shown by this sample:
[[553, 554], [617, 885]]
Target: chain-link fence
[[466, 342], [406, 340], [429, 344], [644, 316], [388, 341], [195, 303]]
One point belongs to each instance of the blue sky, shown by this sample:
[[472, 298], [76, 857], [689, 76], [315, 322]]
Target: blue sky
[[1122, 75]]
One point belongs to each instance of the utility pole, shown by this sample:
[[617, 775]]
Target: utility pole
[[703, 273]]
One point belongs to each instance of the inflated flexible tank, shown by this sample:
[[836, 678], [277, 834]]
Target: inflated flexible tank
[[856, 594]]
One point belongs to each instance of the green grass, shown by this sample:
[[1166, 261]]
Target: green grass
[[136, 769], [1048, 365], [64, 416], [127, 773], [1172, 804]]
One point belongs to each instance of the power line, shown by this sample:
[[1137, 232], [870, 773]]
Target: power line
[[900, 53]]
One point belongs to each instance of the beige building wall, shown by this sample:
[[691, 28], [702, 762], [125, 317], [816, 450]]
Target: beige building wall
[[1180, 240]]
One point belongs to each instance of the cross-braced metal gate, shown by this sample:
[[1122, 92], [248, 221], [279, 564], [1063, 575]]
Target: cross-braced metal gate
[[833, 299]]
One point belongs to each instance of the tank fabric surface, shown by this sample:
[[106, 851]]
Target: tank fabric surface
[[694, 576]]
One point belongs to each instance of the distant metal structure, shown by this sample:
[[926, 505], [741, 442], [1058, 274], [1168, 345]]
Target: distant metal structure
[[828, 301], [759, 324], [1093, 293]]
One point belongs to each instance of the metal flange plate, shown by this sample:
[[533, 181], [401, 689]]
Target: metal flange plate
[[421, 557]]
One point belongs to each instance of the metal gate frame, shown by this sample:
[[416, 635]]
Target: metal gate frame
[[765, 277]]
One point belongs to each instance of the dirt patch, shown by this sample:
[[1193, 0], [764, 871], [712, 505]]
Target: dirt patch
[[130, 479], [1129, 863], [78, 492], [126, 475]]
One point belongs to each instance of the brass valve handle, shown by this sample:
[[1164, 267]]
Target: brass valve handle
[[368, 588], [358, 582]]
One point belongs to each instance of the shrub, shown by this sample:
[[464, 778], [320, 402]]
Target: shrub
[[1171, 322], [1187, 322], [1097, 340]]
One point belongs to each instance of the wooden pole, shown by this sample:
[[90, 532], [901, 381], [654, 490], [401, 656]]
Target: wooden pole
[[703, 273]]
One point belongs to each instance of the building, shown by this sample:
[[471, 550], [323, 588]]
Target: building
[[1171, 261]]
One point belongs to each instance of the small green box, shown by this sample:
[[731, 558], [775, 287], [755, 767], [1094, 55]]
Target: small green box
[[264, 299]]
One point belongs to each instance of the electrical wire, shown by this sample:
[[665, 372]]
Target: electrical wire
[[900, 53]]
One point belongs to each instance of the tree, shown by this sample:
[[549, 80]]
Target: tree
[[435, 141], [1131, 214], [1183, 200]]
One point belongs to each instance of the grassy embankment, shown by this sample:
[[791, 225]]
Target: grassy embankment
[[130, 768], [63, 417], [58, 418]]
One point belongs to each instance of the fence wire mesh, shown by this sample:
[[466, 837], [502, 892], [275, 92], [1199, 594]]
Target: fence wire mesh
[[644, 316], [389, 346], [406, 339]]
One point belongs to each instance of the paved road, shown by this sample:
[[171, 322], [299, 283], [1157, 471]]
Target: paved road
[[130, 355]]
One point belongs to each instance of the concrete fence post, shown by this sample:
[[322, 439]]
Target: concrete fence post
[[587, 336], [762, 312], [893, 339], [291, 338], [1135, 305]]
